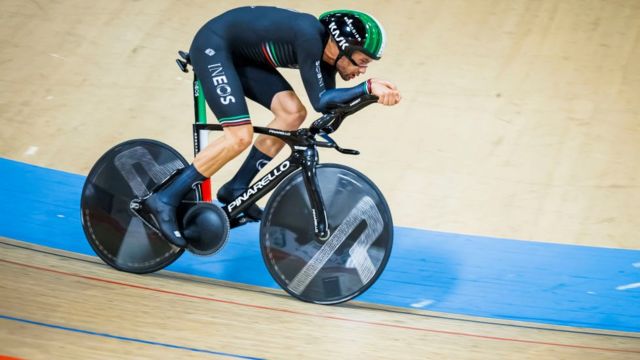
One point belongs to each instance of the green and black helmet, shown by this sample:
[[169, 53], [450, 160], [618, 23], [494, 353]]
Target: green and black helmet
[[355, 31]]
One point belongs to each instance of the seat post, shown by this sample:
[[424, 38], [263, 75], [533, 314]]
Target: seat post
[[200, 137], [199, 102]]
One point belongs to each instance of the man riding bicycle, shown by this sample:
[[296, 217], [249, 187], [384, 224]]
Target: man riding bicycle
[[235, 55]]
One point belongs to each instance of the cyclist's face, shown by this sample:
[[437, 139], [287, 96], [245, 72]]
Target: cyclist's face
[[350, 69]]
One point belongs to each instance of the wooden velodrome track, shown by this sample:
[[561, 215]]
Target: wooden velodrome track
[[520, 120]]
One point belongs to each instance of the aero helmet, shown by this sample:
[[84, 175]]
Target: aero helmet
[[355, 31]]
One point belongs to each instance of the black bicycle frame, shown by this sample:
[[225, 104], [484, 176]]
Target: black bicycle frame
[[304, 155]]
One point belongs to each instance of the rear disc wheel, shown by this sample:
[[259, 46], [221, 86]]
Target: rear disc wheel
[[126, 172]]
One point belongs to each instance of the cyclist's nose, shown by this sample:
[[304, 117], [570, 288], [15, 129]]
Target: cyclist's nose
[[362, 69]]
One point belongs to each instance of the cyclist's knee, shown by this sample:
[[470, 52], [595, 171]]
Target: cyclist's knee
[[296, 118], [239, 137], [292, 118], [288, 110]]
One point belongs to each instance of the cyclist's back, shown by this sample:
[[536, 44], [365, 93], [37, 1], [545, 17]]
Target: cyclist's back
[[252, 25], [266, 38]]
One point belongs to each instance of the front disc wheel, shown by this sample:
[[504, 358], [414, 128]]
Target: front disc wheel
[[350, 260]]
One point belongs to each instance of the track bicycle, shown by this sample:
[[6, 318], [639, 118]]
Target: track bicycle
[[326, 233]]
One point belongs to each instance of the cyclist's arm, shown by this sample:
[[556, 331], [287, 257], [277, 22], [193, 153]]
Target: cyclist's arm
[[332, 98], [323, 99], [319, 81]]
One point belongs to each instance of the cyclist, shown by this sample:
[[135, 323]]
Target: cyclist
[[235, 55]]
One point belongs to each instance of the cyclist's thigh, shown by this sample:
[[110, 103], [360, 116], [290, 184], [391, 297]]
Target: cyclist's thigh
[[261, 83], [220, 82]]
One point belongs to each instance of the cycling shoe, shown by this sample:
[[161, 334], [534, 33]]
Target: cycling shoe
[[165, 217]]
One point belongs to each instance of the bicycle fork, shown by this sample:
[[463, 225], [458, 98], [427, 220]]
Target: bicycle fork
[[320, 222]]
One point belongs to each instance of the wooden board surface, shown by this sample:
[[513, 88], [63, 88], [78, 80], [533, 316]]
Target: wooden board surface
[[83, 295], [520, 119]]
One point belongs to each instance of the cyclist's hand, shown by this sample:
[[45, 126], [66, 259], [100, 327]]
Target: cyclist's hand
[[386, 92]]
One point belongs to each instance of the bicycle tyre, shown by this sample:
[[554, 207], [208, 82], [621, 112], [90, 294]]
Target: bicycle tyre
[[125, 172], [337, 270]]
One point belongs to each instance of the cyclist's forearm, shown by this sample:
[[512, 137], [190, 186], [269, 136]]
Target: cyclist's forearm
[[334, 97]]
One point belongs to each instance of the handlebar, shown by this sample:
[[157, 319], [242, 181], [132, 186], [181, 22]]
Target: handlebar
[[330, 121]]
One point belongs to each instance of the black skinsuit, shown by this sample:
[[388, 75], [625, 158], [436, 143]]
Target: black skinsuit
[[236, 55]]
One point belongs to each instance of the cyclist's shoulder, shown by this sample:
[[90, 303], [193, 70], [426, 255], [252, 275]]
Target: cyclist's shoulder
[[308, 27], [307, 22], [290, 19], [266, 12]]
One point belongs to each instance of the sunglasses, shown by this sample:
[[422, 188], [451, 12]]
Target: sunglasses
[[354, 62]]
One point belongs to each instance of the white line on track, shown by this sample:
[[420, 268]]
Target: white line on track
[[628, 286]]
